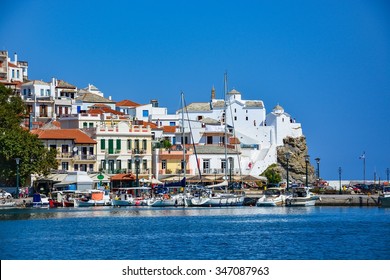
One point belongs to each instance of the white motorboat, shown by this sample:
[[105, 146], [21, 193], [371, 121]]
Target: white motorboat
[[123, 199], [167, 201], [301, 196], [272, 197]]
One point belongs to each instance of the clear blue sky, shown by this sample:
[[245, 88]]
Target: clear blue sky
[[326, 62]]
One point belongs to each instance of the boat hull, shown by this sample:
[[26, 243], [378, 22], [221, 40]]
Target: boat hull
[[215, 201], [385, 201], [309, 201], [117, 202]]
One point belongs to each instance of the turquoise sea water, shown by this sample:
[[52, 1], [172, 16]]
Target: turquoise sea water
[[282, 233]]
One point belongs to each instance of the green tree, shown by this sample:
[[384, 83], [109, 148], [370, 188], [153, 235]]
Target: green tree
[[17, 142], [272, 174]]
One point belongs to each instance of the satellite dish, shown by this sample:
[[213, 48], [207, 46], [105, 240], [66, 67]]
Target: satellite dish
[[74, 149]]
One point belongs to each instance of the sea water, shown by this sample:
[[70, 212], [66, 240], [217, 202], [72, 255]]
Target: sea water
[[231, 233]]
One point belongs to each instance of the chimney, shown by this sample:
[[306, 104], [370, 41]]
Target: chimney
[[16, 58]]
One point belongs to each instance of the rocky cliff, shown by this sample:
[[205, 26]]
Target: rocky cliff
[[297, 166]]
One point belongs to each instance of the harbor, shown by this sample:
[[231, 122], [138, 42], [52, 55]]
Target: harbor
[[251, 198]]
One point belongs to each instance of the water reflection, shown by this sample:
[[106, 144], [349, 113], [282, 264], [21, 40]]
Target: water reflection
[[63, 213]]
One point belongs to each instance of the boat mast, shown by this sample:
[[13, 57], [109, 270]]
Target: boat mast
[[183, 136], [225, 120]]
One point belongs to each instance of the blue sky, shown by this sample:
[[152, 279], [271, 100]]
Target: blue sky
[[326, 62]]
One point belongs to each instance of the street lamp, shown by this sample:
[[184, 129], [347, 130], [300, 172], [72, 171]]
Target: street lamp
[[17, 177], [318, 167], [307, 163], [288, 156], [339, 180], [137, 161]]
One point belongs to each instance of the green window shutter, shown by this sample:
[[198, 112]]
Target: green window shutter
[[118, 144], [110, 146], [102, 144]]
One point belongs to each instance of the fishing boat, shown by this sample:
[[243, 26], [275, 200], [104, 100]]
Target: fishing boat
[[167, 200], [123, 199], [385, 197], [93, 198], [301, 196], [40, 201], [272, 197]]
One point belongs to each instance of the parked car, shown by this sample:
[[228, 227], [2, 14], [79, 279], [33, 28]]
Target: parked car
[[4, 194]]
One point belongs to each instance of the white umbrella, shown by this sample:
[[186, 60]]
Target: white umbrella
[[156, 182]]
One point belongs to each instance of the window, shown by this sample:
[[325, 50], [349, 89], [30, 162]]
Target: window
[[110, 146], [209, 139], [17, 74], [129, 144], [53, 147], [90, 125], [24, 91], [144, 144], [164, 164], [173, 140], [118, 144], [206, 165], [235, 118], [76, 167], [65, 149], [111, 166], [103, 164], [102, 144], [223, 165], [246, 118], [91, 150], [118, 164], [85, 124], [65, 166], [145, 113], [235, 110], [172, 123], [200, 118], [42, 92], [48, 92], [29, 91], [13, 73], [136, 142], [144, 164]]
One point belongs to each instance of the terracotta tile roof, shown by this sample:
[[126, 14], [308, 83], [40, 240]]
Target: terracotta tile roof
[[63, 84], [127, 103], [152, 125], [104, 109], [123, 177], [76, 135], [12, 65], [169, 129], [93, 98]]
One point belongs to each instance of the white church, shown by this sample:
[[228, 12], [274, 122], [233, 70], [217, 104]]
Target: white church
[[252, 134]]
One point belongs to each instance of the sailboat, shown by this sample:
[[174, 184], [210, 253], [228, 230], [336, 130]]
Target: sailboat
[[212, 198], [164, 199]]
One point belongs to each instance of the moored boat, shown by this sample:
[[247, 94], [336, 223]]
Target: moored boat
[[93, 198], [272, 197], [385, 197], [301, 196]]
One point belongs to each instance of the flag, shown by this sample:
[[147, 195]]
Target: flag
[[363, 156]]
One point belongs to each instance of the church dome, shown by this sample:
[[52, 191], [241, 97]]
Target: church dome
[[278, 109], [234, 92]]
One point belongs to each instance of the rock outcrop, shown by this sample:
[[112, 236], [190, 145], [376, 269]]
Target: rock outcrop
[[297, 165]]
